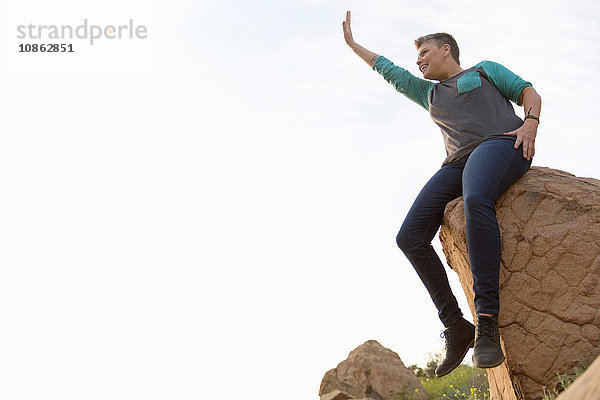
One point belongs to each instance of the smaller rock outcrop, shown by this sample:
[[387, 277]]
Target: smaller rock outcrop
[[336, 395], [339, 395], [371, 371]]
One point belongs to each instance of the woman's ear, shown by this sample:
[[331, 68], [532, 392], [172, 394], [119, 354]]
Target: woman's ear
[[446, 50]]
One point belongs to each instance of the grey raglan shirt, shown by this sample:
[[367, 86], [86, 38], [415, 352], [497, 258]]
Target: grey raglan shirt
[[470, 107]]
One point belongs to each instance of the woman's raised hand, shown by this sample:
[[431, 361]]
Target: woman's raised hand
[[347, 31], [368, 56]]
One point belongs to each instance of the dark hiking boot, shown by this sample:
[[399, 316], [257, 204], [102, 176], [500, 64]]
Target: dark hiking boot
[[459, 339], [487, 352]]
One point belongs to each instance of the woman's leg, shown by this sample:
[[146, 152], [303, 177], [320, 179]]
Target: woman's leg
[[489, 170], [420, 226]]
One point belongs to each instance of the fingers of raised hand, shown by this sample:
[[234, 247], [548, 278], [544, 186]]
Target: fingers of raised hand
[[346, 28]]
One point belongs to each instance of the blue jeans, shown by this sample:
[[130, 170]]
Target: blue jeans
[[481, 178]]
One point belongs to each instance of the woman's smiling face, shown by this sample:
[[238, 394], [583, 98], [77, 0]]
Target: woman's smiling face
[[430, 59]]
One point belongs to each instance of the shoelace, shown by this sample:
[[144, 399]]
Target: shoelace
[[485, 327], [448, 336]]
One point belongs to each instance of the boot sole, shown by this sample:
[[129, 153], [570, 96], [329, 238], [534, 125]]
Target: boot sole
[[493, 365], [470, 346]]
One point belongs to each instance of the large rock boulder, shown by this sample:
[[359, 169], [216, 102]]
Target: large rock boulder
[[549, 278], [372, 371]]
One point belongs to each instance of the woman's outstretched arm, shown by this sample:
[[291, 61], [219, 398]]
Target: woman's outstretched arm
[[409, 85], [363, 53]]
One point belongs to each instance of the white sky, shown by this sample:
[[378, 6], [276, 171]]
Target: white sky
[[212, 211]]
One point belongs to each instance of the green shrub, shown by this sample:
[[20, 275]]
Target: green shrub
[[464, 383], [564, 381]]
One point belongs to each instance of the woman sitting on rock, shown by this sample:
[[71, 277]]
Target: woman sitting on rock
[[488, 148]]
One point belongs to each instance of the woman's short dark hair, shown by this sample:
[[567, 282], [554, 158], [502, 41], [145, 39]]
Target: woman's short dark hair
[[440, 39]]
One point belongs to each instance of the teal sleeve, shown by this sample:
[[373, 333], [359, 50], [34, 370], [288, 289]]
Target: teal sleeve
[[403, 81], [509, 84]]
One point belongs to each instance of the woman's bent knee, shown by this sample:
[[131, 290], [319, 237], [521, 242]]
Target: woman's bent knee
[[478, 200], [405, 241]]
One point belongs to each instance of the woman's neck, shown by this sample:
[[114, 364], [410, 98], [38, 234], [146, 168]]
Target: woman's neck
[[455, 70]]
